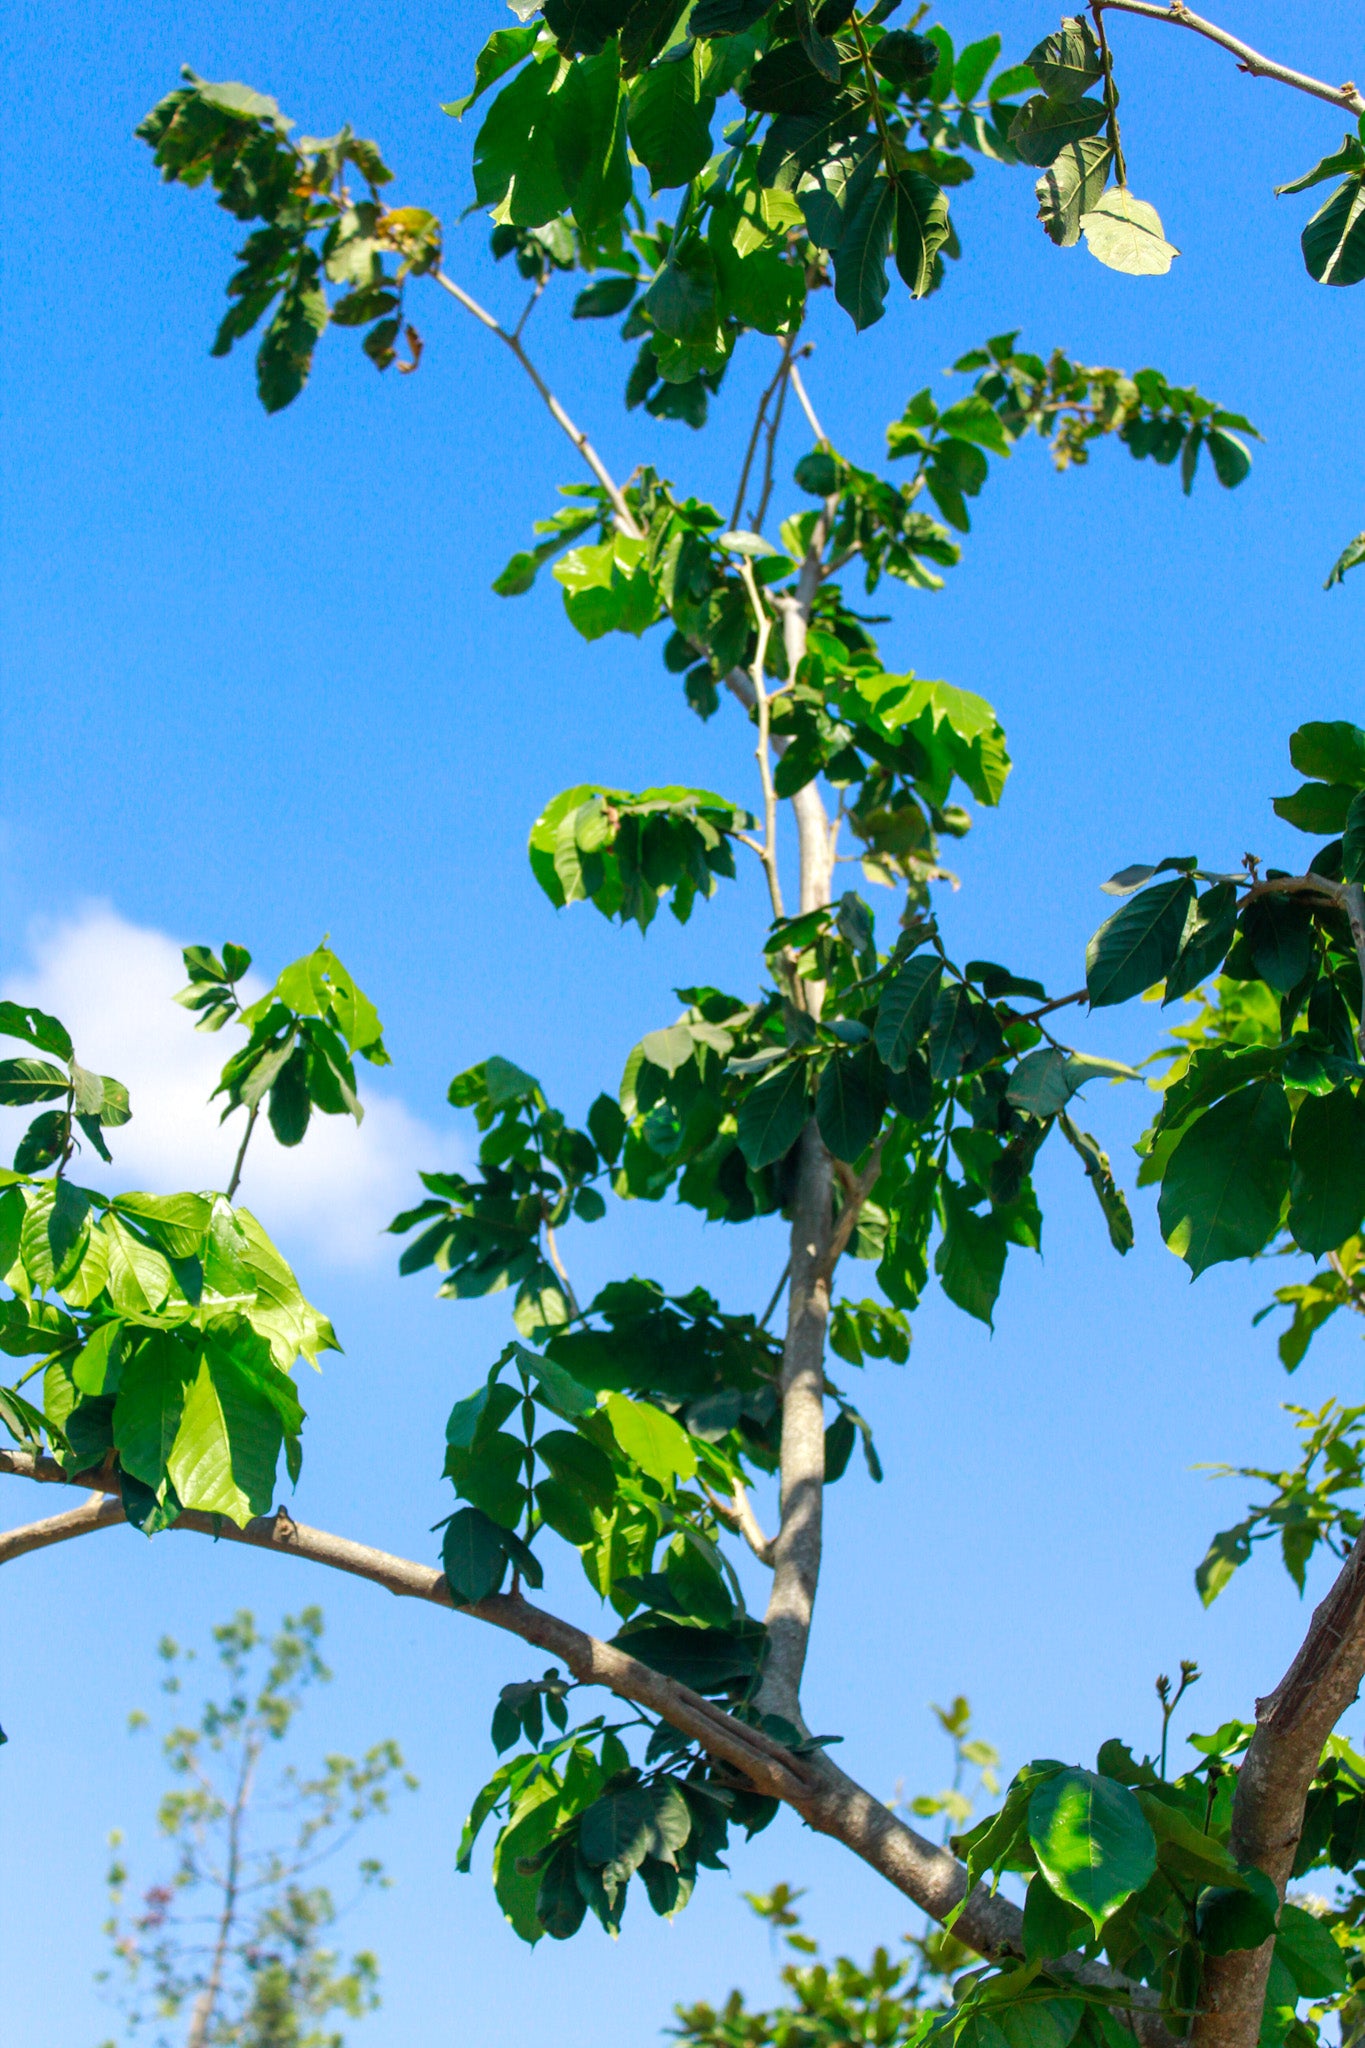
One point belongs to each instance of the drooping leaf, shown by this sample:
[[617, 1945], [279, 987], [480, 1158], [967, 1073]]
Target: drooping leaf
[[1126, 234]]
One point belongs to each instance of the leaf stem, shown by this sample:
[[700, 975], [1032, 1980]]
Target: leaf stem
[[235, 1182], [1111, 98]]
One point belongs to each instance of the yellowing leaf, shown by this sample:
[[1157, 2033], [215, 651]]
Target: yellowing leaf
[[1126, 234]]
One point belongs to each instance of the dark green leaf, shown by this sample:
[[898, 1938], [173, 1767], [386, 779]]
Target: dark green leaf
[[1327, 1183], [1330, 750], [849, 1103], [1228, 1919], [1226, 1180], [474, 1556], [773, 1116], [1138, 945], [1279, 934]]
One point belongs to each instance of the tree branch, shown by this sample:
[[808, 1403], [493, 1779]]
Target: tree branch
[[1248, 60], [763, 751], [97, 1513], [779, 377], [625, 518], [739, 1514], [1292, 1725], [831, 1802], [856, 1193]]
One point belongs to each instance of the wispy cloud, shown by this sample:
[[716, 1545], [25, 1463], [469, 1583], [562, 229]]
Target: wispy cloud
[[112, 982]]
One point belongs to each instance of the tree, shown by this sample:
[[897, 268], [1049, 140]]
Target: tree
[[886, 1100], [230, 1946]]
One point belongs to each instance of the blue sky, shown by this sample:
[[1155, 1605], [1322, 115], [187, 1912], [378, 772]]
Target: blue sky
[[257, 687]]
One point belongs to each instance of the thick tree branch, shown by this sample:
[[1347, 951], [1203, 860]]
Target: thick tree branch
[[1292, 1725], [97, 1513], [830, 1801], [1248, 60], [625, 518]]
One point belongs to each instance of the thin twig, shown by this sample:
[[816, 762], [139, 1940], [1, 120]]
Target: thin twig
[[625, 518], [1058, 1003], [1111, 98], [779, 377], [1249, 60], [762, 751], [777, 1295], [846, 1222], [240, 1161], [774, 428], [798, 386], [738, 1513], [553, 1248]]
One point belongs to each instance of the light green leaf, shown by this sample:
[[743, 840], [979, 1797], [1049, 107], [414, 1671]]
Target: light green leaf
[[1126, 234], [228, 1443], [654, 1441]]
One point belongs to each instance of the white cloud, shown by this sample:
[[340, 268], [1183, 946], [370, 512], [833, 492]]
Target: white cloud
[[111, 983]]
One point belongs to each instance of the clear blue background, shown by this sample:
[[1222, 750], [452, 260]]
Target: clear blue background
[[256, 686]]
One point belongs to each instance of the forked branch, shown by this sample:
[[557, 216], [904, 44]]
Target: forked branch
[[625, 518]]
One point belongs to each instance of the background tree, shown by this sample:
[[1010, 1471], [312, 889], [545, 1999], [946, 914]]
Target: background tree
[[888, 1100], [228, 1950]]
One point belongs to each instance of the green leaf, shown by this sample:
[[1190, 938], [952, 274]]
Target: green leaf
[[24, 1081], [1334, 240], [660, 1446], [622, 1828], [1226, 1180], [1184, 1851], [36, 1028], [1043, 128], [1353, 842], [849, 1104], [1071, 186], [1067, 63], [1126, 234], [590, 145], [870, 212], [773, 1116], [1330, 750], [1137, 946], [970, 1259], [1092, 1840], [922, 228], [505, 48], [710, 1660], [1306, 1948], [1109, 1195], [151, 1401], [473, 1556], [1327, 1181], [1279, 933], [1228, 1919], [227, 1447], [1051, 1926], [670, 118], [1351, 557]]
